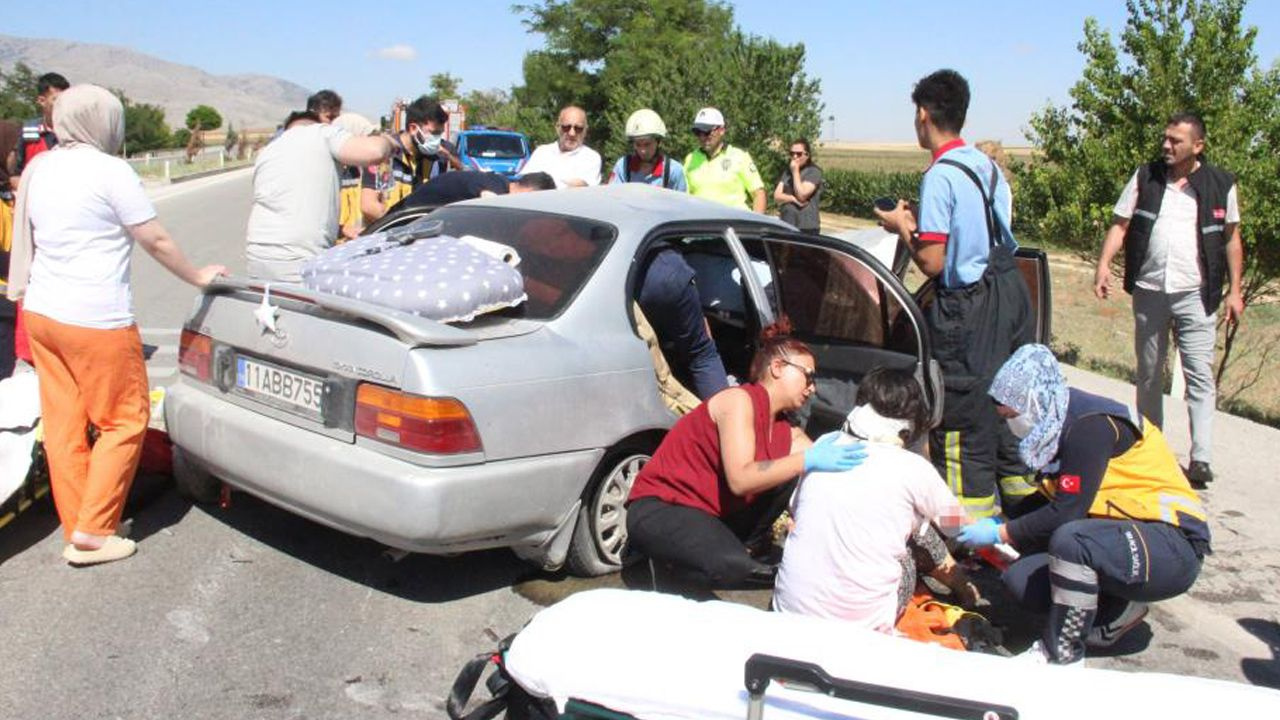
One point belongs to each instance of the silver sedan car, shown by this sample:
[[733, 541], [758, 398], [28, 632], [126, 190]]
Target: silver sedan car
[[525, 427]]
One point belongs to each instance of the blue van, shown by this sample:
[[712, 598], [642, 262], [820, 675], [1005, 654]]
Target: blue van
[[500, 151]]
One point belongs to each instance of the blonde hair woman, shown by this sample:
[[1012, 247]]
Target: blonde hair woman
[[78, 212]]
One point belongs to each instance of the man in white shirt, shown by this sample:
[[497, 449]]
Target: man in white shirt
[[568, 160], [1179, 223], [295, 194]]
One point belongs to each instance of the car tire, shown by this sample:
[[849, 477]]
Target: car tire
[[600, 534], [194, 482]]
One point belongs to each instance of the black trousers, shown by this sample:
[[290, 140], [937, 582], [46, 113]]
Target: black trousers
[[974, 331], [697, 551], [1093, 568], [7, 357]]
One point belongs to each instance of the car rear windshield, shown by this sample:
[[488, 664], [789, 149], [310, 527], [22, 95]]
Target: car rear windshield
[[495, 146], [557, 252]]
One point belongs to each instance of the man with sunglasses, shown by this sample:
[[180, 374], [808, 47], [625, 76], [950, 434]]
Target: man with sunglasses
[[568, 160], [719, 172]]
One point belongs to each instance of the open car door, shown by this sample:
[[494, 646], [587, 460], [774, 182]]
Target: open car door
[[852, 312], [1033, 265]]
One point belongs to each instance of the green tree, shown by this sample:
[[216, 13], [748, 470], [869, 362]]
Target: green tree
[[180, 138], [1173, 56], [445, 85], [494, 107], [18, 93], [205, 116], [613, 57], [144, 125], [230, 140]]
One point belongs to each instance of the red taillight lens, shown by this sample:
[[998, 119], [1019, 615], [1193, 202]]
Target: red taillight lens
[[195, 355], [434, 425]]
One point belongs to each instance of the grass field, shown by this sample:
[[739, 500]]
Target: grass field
[[1098, 336], [882, 157]]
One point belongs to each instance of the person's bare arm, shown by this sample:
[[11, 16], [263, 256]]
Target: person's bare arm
[[780, 196], [1235, 273], [365, 150], [732, 413], [371, 205], [758, 200], [930, 257], [153, 238], [804, 188], [1111, 244]]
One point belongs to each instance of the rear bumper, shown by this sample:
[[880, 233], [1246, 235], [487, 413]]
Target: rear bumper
[[366, 493]]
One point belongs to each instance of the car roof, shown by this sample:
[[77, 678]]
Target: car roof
[[490, 131], [626, 205]]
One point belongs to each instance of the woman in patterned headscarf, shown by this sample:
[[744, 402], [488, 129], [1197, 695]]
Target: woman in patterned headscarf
[[79, 211], [1116, 524]]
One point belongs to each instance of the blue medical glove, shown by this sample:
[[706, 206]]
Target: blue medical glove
[[826, 456], [983, 533]]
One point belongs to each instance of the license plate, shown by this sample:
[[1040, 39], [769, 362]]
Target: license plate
[[290, 390]]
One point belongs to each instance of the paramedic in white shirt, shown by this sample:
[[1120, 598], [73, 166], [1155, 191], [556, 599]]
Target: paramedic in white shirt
[[568, 160]]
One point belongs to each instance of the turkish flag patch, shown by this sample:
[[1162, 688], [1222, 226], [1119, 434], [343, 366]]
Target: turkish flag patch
[[1219, 213], [1069, 484]]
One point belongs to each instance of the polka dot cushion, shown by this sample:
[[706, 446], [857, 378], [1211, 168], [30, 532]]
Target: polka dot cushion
[[441, 278]]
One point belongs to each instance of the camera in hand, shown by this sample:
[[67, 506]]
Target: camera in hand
[[885, 204]]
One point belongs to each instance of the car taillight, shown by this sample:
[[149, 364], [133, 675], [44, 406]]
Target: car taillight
[[195, 355], [435, 425]]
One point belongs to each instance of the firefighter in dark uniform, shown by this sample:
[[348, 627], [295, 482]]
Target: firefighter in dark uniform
[[1116, 524]]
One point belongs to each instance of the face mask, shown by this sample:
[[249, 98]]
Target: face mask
[[427, 143], [1021, 426]]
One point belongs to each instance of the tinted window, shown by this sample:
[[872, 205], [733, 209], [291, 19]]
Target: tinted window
[[831, 297], [557, 252], [495, 146]]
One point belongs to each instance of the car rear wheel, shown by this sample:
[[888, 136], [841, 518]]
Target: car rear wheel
[[194, 482], [601, 531]]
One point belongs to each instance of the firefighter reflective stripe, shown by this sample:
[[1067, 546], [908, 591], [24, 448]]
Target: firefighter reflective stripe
[[1072, 571], [979, 507], [1212, 229], [1016, 486], [1145, 213], [951, 450]]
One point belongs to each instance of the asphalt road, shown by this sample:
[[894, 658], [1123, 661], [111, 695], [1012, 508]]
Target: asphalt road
[[249, 612]]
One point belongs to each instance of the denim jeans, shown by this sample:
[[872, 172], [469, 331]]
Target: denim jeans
[[1154, 314]]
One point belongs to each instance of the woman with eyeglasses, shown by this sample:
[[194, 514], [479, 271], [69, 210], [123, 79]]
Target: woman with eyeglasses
[[799, 190], [700, 513]]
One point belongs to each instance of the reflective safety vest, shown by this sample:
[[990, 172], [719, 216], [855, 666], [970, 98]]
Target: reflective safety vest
[[1145, 482], [348, 196]]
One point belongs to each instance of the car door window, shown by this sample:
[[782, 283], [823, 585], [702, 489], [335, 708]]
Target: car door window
[[855, 317], [832, 297]]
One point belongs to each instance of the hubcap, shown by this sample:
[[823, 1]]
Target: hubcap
[[608, 516]]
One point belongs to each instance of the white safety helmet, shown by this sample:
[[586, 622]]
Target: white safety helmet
[[645, 122]]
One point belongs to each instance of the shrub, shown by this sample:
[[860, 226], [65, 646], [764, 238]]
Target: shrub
[[851, 192]]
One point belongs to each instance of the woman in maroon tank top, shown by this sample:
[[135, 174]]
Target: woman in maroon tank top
[[723, 474]]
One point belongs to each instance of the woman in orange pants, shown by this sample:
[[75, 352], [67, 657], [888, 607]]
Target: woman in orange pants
[[79, 211]]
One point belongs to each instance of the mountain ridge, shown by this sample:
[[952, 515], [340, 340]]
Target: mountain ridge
[[247, 100]]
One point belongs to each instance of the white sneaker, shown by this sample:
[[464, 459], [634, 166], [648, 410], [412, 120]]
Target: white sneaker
[[1037, 655], [1103, 636]]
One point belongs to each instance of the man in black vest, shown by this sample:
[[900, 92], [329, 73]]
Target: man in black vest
[[1179, 223]]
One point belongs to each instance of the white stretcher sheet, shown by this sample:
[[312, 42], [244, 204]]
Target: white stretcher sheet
[[660, 656], [19, 412]]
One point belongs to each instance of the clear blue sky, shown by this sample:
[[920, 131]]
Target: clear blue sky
[[867, 53]]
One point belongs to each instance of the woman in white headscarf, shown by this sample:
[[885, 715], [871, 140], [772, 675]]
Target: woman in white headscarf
[[78, 212], [1116, 524]]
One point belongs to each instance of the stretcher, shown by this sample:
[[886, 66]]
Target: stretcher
[[19, 432], [627, 654]]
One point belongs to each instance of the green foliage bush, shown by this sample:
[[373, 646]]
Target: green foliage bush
[[851, 192]]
